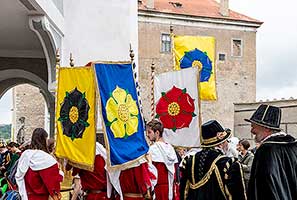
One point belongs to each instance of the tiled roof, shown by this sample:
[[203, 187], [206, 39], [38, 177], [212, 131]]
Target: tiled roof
[[199, 8]]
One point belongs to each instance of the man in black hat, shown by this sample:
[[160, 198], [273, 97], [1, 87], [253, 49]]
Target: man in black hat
[[273, 174], [209, 174]]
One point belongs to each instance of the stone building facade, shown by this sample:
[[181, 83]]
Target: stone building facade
[[29, 111], [245, 110], [235, 70]]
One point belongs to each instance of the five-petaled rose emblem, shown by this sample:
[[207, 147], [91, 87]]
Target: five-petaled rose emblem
[[74, 114], [122, 113], [175, 109]]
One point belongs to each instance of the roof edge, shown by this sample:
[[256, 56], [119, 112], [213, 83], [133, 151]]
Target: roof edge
[[223, 20], [203, 16]]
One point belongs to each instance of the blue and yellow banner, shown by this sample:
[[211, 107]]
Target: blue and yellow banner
[[123, 122], [197, 51], [75, 116]]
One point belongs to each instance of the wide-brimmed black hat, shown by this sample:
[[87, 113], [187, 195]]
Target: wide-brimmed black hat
[[267, 116], [213, 134]]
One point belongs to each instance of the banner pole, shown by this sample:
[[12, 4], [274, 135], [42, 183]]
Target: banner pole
[[71, 60], [152, 90], [131, 54], [172, 45], [199, 105], [58, 59]]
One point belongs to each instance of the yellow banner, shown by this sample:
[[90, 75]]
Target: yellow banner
[[75, 116], [197, 51]]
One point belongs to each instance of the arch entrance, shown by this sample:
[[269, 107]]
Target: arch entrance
[[29, 91], [29, 40]]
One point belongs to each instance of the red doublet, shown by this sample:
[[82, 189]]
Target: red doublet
[[161, 189], [135, 182], [95, 182], [42, 183]]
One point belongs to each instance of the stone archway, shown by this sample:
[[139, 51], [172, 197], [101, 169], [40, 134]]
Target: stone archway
[[12, 77], [37, 69]]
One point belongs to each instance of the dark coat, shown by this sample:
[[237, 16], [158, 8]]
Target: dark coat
[[209, 175], [274, 170]]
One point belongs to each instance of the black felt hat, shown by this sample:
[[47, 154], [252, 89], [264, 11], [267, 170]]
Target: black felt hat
[[213, 134], [267, 116]]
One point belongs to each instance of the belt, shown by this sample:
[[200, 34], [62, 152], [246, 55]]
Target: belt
[[94, 191], [133, 195]]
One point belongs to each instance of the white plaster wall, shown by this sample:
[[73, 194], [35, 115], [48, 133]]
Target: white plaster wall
[[99, 30]]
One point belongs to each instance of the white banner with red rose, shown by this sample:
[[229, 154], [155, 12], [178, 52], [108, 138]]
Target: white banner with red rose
[[177, 106]]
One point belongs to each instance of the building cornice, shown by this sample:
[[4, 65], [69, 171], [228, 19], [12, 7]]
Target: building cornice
[[21, 53], [187, 20], [49, 9], [283, 100]]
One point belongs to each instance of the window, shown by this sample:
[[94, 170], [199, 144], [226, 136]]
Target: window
[[236, 47], [165, 43], [222, 57]]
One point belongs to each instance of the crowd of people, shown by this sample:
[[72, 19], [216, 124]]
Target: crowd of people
[[213, 171]]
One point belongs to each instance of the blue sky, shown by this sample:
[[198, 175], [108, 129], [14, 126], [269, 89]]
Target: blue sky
[[276, 50]]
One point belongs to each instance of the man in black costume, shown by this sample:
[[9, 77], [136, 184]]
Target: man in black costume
[[273, 174], [209, 174]]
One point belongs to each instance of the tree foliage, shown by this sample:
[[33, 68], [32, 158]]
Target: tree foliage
[[5, 131]]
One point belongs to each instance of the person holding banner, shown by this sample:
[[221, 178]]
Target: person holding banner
[[164, 159], [209, 174], [137, 182], [95, 183]]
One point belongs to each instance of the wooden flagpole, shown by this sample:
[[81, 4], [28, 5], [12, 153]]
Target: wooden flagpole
[[199, 105], [152, 90], [71, 60], [58, 59], [172, 45]]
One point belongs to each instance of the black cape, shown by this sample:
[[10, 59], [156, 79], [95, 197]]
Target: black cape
[[209, 175], [274, 170]]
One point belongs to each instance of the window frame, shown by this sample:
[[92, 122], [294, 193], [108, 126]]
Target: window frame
[[222, 61], [161, 43], [241, 48]]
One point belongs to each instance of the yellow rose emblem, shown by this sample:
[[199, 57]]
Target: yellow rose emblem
[[122, 113]]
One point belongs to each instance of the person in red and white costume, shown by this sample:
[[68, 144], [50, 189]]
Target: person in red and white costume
[[135, 181], [38, 175], [164, 159], [95, 184]]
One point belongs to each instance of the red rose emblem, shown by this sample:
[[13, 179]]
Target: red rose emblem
[[175, 109]]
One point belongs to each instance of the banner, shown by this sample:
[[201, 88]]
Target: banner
[[123, 123], [75, 116], [177, 106], [197, 51]]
